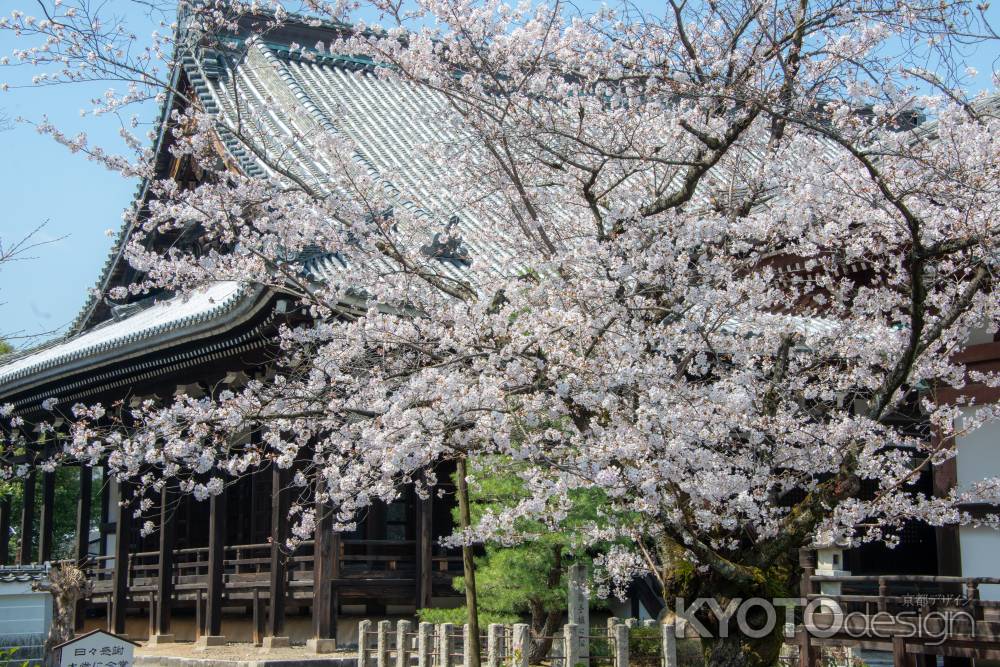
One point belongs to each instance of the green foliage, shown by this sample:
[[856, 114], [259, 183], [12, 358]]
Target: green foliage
[[63, 514], [644, 642], [459, 616], [5, 347], [21, 650], [530, 576]]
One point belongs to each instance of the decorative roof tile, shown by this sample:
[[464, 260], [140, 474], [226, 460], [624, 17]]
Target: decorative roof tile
[[10, 574]]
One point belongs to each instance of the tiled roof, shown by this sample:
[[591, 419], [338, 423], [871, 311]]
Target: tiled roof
[[387, 121], [293, 97], [132, 334], [10, 574]]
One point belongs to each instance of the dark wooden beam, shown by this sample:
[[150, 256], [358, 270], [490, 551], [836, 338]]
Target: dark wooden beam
[[216, 553], [5, 530], [82, 551], [48, 513], [279, 533], [944, 478], [324, 615], [27, 518], [165, 575], [123, 538]]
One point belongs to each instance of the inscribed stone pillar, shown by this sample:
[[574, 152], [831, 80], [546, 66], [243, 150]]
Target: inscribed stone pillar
[[579, 607]]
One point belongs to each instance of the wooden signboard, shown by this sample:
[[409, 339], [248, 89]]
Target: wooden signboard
[[96, 649]]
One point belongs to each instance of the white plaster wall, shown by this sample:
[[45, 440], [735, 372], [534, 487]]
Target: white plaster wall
[[978, 458], [981, 557], [981, 335], [23, 611]]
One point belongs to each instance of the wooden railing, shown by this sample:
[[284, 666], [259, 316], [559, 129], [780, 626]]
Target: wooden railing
[[919, 592], [246, 563]]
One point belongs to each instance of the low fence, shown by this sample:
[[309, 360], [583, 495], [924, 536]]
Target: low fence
[[446, 645], [21, 650]]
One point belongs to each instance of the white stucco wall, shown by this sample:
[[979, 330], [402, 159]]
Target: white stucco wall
[[978, 452], [981, 557], [978, 458], [23, 611]]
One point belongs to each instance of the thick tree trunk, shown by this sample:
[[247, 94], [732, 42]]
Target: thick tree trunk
[[778, 578], [740, 651], [67, 584], [468, 564], [544, 625]]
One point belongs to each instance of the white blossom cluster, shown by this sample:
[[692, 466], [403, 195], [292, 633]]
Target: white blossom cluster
[[728, 281]]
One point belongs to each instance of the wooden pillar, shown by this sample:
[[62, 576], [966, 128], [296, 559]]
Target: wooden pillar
[[279, 533], [82, 550], [808, 654], [83, 514], [425, 543], [165, 575], [5, 530], [324, 615], [123, 539], [105, 511], [27, 518], [899, 656], [48, 512], [216, 552]]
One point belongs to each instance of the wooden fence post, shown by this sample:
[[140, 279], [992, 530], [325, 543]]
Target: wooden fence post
[[445, 631], [522, 639], [364, 627], [425, 645], [899, 652], [199, 625], [621, 645], [258, 619], [972, 595], [382, 646]]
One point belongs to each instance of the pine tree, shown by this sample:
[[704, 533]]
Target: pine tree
[[526, 578]]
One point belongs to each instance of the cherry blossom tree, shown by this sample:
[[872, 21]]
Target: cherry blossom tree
[[732, 250]]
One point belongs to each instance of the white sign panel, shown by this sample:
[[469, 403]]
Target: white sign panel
[[97, 649]]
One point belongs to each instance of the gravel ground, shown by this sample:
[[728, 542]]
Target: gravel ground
[[236, 652]]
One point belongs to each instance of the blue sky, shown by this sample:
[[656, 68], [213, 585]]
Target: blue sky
[[40, 182]]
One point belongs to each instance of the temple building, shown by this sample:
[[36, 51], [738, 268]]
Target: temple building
[[218, 568]]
